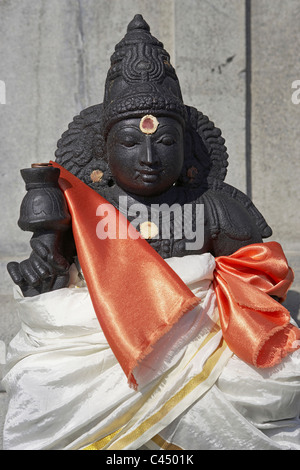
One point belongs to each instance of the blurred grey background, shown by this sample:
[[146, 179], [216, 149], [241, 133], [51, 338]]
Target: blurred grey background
[[236, 60]]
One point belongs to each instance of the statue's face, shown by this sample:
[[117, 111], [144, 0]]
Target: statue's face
[[145, 164]]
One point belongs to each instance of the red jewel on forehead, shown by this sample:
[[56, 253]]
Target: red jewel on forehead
[[149, 124]]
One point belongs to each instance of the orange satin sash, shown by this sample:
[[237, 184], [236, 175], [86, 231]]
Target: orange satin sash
[[137, 297], [255, 326]]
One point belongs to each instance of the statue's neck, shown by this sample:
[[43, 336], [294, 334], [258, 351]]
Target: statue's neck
[[176, 194]]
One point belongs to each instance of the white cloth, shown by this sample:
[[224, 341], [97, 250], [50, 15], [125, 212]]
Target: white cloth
[[246, 409], [67, 390]]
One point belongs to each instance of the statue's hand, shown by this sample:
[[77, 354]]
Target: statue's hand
[[45, 270]]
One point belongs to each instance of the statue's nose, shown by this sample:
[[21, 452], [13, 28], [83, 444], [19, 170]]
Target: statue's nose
[[149, 155]]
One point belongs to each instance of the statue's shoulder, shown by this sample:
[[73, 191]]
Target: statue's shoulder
[[232, 218]]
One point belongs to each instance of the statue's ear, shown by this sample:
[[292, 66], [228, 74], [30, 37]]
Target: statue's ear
[[81, 148], [214, 144], [205, 153]]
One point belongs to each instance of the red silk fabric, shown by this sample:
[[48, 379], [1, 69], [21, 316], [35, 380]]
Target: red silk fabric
[[255, 326], [137, 297]]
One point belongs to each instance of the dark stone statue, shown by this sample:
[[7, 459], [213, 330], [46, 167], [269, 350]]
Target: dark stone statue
[[144, 143]]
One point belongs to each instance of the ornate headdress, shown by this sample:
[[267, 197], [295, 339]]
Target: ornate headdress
[[141, 79]]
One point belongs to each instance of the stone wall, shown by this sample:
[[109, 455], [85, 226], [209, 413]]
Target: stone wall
[[236, 61]]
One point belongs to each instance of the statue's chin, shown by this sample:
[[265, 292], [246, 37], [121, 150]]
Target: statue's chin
[[150, 186], [148, 190]]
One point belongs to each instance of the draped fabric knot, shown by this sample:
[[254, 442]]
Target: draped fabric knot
[[255, 326]]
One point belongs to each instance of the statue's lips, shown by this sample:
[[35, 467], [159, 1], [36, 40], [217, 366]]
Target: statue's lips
[[150, 172], [149, 175]]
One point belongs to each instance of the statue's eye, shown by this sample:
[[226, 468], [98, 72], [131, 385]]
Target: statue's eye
[[167, 140], [128, 143]]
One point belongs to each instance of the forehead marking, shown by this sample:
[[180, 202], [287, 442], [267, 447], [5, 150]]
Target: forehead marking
[[149, 124]]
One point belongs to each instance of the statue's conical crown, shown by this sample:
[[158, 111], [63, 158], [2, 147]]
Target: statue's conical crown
[[141, 78]]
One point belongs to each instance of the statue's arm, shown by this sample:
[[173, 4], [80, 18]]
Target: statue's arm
[[225, 245], [233, 225], [46, 269], [241, 231], [44, 212]]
